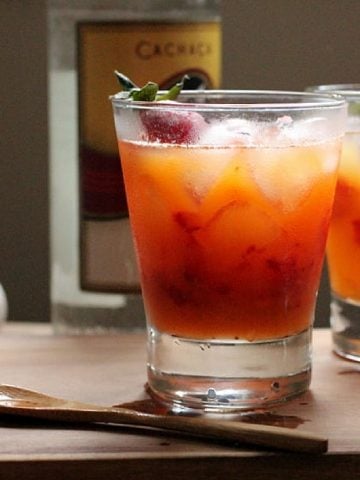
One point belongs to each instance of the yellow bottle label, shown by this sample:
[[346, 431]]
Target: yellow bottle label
[[159, 52]]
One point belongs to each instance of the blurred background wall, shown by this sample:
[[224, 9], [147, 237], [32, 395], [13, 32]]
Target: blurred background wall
[[274, 44], [24, 249]]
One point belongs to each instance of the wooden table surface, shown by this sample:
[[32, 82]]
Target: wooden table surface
[[110, 370]]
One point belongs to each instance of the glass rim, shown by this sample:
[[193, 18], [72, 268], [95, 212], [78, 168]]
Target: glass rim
[[350, 91], [314, 101]]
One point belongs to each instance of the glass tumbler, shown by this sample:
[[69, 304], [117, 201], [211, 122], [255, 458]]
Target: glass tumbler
[[230, 196], [343, 247]]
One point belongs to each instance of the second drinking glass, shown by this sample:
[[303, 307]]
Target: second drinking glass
[[343, 248]]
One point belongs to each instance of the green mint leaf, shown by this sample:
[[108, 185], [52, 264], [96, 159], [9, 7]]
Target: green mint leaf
[[125, 82], [146, 93], [149, 92], [174, 91]]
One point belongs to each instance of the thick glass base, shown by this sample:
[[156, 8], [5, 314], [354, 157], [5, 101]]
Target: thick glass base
[[68, 319], [227, 375], [345, 325]]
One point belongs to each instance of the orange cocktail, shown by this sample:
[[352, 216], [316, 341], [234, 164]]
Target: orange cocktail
[[230, 240], [230, 197], [343, 248]]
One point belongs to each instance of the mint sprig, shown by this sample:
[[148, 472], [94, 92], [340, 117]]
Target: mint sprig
[[174, 91], [145, 94], [149, 92]]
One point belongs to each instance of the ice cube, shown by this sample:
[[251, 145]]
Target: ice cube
[[285, 175], [331, 160], [230, 131], [205, 168], [272, 133], [129, 126], [309, 130], [238, 226], [284, 121]]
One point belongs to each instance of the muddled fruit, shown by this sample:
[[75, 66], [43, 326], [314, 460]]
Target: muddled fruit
[[178, 127]]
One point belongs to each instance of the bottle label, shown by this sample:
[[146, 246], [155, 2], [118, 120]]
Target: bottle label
[[160, 52]]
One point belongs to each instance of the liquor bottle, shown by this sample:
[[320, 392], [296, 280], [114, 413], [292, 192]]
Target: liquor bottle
[[94, 279]]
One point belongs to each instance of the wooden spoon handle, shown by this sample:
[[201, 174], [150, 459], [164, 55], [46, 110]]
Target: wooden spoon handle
[[221, 430], [238, 432], [260, 435]]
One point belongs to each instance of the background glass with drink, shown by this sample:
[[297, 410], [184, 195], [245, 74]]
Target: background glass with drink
[[343, 247]]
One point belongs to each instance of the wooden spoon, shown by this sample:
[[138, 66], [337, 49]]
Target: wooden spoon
[[19, 401]]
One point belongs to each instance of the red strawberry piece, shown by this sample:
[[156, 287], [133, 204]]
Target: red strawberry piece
[[173, 127], [188, 221]]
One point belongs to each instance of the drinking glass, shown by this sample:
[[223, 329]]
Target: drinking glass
[[230, 196], [343, 247]]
